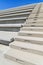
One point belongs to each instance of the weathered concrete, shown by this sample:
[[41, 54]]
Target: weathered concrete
[[27, 49]]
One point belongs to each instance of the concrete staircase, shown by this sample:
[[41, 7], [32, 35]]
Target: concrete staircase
[[27, 48], [13, 19]]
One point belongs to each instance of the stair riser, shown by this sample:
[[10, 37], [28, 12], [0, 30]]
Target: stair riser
[[18, 60], [33, 25], [32, 29], [15, 19], [27, 49], [32, 17], [29, 41], [29, 34], [34, 22], [23, 15], [17, 12]]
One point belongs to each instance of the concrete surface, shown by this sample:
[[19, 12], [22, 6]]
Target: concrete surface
[[3, 60]]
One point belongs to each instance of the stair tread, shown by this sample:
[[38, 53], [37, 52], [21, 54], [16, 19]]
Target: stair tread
[[11, 25], [31, 32], [16, 11], [34, 24], [13, 18], [24, 56], [16, 14], [33, 27], [30, 38], [27, 45]]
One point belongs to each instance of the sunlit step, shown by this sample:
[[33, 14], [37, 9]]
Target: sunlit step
[[34, 40], [33, 25], [11, 25], [31, 33], [32, 29], [16, 14], [35, 22], [19, 18], [28, 47], [32, 20], [16, 11], [40, 15], [25, 58]]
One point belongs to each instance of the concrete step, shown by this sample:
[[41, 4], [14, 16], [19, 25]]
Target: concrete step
[[16, 14], [25, 58], [11, 25], [34, 12], [39, 20], [28, 47], [17, 10], [13, 21], [32, 16], [19, 18], [3, 60], [41, 9], [7, 37], [33, 25], [35, 22], [31, 33], [3, 48], [32, 29], [34, 40], [40, 15]]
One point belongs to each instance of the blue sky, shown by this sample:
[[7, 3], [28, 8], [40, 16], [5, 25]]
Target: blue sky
[[5, 4]]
